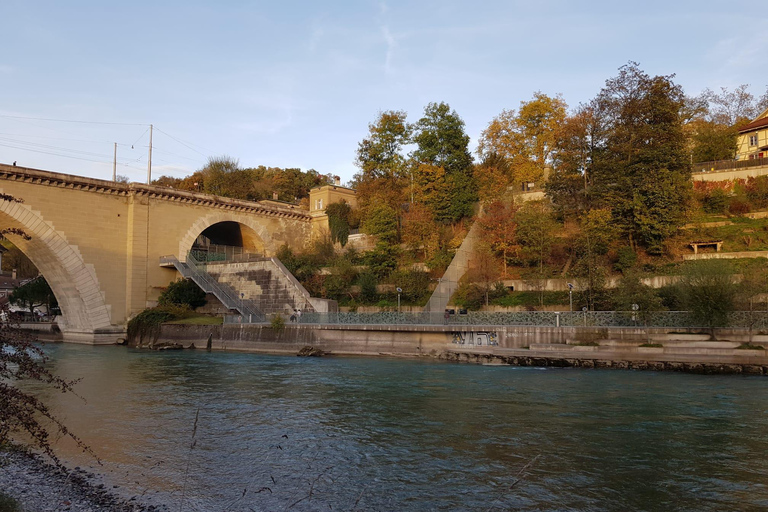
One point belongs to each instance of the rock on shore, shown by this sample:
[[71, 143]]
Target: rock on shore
[[42, 487]]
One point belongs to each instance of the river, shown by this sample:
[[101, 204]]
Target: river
[[202, 431]]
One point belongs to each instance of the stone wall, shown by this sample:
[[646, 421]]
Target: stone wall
[[269, 285]]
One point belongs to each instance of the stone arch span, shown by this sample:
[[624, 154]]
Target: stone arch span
[[73, 281], [255, 235]]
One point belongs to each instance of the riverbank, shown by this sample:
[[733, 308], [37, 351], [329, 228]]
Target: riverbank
[[621, 348], [42, 487]]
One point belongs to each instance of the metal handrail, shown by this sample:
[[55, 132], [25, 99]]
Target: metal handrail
[[228, 296]]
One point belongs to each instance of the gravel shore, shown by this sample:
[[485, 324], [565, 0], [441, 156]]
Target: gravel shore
[[42, 487]]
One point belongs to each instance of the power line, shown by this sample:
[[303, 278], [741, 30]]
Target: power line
[[185, 144], [70, 120]]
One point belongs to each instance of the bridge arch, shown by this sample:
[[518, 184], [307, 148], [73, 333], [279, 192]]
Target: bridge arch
[[74, 283], [254, 236]]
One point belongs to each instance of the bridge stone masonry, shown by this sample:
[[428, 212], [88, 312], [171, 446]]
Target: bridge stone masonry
[[98, 243]]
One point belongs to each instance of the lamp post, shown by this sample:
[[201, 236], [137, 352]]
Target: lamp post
[[399, 291], [570, 295]]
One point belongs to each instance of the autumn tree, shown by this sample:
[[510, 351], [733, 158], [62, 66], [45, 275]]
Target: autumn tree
[[596, 234], [493, 177], [536, 235], [498, 226], [715, 119], [419, 231], [526, 137], [572, 158], [443, 144], [384, 173]]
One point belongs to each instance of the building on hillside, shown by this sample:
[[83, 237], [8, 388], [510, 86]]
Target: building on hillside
[[753, 139], [321, 197]]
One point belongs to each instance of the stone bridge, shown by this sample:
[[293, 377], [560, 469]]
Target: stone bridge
[[98, 243]]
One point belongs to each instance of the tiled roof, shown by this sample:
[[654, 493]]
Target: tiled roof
[[754, 125]]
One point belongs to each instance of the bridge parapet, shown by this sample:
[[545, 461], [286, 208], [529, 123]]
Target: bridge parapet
[[54, 179]]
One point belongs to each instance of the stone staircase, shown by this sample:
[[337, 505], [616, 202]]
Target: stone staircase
[[254, 286], [269, 285], [227, 295]]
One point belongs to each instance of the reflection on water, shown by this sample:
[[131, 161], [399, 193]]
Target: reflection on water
[[378, 434]]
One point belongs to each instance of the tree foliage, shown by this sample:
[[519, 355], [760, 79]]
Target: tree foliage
[[34, 294], [709, 292], [499, 227], [639, 167], [383, 175], [183, 292], [381, 222], [223, 176], [23, 412], [338, 221], [443, 164], [525, 138]]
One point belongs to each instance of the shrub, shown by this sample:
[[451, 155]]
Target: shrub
[[738, 206], [277, 323], [183, 292], [757, 191], [716, 201], [414, 283], [367, 282], [626, 259]]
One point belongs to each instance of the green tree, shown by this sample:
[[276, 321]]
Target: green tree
[[640, 168], [443, 144], [709, 292], [441, 140], [339, 281], [631, 290], [591, 245], [713, 141], [338, 221], [34, 294], [183, 292], [381, 222]]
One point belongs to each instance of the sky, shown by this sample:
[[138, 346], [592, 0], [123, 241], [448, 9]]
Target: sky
[[296, 84]]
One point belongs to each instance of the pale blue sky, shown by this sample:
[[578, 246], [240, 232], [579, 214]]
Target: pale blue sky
[[295, 84]]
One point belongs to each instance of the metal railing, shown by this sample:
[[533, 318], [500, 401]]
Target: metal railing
[[757, 320], [727, 165], [228, 296], [214, 252]]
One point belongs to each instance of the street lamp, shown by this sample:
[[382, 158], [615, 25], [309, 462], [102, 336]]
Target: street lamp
[[399, 291], [570, 295]]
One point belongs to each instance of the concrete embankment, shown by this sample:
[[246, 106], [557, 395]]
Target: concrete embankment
[[629, 348]]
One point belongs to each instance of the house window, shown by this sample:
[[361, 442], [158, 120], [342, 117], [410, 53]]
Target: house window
[[753, 140], [319, 204]]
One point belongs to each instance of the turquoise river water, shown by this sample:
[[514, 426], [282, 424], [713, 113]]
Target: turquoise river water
[[288, 433]]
